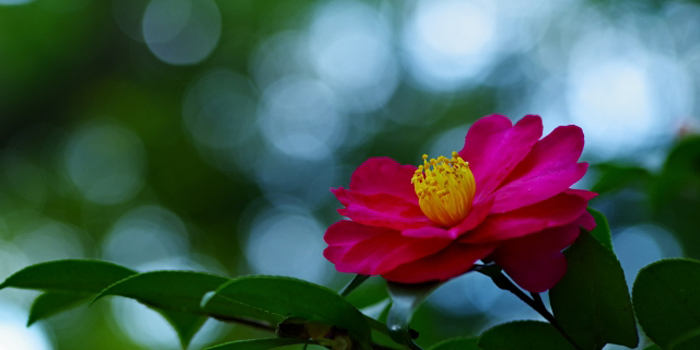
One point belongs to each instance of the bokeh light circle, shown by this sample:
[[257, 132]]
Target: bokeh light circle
[[287, 242], [182, 32], [106, 163]]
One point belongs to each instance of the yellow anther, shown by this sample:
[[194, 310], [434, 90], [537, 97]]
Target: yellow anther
[[445, 189]]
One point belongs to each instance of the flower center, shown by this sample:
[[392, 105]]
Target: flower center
[[445, 189]]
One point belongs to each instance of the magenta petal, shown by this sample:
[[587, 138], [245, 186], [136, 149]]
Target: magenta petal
[[556, 211], [493, 149], [549, 169], [372, 217], [528, 191], [380, 210], [586, 221], [346, 232], [451, 262], [475, 217], [368, 250], [477, 214], [535, 262], [384, 175], [585, 194], [427, 232]]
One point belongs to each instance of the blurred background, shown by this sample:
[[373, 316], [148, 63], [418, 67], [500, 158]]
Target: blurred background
[[202, 134]]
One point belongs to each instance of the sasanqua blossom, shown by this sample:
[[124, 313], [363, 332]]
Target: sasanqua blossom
[[505, 197]]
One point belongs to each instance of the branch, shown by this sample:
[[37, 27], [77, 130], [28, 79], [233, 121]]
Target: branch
[[267, 327], [536, 303]]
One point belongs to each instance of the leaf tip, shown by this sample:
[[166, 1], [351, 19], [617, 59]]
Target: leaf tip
[[205, 299], [184, 343], [96, 298]]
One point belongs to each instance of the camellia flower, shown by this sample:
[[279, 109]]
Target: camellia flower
[[505, 197]]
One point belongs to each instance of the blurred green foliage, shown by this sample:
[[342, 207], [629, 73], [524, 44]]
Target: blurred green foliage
[[67, 65]]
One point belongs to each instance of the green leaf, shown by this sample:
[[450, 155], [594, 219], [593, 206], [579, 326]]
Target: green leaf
[[652, 347], [174, 290], [282, 297], [614, 177], [675, 198], [523, 335], [602, 230], [380, 334], [405, 299], [49, 304], [592, 302], [175, 294], [356, 282], [71, 281], [457, 344], [84, 277], [68, 283], [260, 344], [185, 324], [373, 291], [688, 341], [666, 297]]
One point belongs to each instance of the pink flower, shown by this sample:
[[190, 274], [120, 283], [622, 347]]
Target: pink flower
[[504, 197]]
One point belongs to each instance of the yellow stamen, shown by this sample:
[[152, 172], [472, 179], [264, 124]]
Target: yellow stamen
[[445, 189]]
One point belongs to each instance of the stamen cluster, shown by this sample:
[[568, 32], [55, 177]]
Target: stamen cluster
[[445, 189]]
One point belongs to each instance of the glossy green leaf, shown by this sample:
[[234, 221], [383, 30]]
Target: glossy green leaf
[[49, 304], [688, 341], [185, 324], [457, 344], [614, 177], [592, 302], [175, 290], [356, 282], [405, 299], [175, 294], [78, 276], [666, 298], [674, 197], [71, 281], [523, 335], [380, 334], [67, 282], [602, 230], [282, 297], [260, 344], [373, 291]]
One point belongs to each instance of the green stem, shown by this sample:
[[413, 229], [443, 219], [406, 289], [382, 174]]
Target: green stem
[[542, 310], [267, 327], [535, 302], [413, 346]]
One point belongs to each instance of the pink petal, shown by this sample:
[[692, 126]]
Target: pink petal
[[585, 194], [549, 169], [586, 221], [535, 262], [474, 218], [528, 191], [493, 148], [451, 262], [384, 175], [427, 232], [369, 250], [346, 232], [380, 210], [478, 213], [556, 211]]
